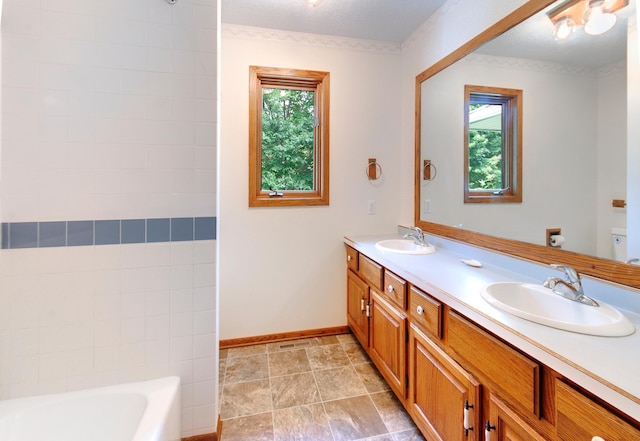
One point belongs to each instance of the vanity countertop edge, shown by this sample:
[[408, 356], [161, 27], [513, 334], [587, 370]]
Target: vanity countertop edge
[[608, 367]]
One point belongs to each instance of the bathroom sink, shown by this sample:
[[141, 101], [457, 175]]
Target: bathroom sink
[[404, 246], [541, 305]]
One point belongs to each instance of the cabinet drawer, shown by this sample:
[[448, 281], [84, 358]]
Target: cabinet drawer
[[370, 271], [425, 312], [578, 417], [352, 259], [395, 289], [498, 365]]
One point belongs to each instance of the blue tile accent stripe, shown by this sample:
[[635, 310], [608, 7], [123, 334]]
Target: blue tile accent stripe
[[106, 232]]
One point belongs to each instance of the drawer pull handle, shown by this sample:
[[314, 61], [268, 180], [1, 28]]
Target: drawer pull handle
[[420, 310], [368, 313], [390, 289], [362, 304], [597, 438], [487, 431], [467, 426]]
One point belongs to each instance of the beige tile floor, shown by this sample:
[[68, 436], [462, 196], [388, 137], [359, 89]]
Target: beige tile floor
[[316, 389]]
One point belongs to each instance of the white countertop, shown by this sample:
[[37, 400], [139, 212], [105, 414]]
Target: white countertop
[[609, 367]]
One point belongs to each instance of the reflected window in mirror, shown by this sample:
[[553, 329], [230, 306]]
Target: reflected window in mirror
[[493, 145]]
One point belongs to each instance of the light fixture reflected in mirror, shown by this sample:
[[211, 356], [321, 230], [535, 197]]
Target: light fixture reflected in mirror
[[563, 28], [598, 16], [597, 19], [313, 3]]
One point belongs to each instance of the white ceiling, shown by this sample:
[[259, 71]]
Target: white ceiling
[[382, 20], [394, 21]]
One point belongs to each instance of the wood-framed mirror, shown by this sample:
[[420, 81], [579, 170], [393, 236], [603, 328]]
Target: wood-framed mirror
[[587, 264]]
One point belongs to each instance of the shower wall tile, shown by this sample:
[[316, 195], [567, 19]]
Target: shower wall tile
[[133, 230], [106, 232], [109, 131], [52, 234], [91, 87], [24, 235]]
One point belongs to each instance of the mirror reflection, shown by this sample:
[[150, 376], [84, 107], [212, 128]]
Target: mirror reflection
[[574, 139]]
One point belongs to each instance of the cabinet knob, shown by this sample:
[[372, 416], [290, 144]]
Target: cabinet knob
[[420, 310], [348, 258], [390, 289], [597, 438]]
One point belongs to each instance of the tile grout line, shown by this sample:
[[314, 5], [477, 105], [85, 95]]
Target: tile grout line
[[273, 413], [322, 401]]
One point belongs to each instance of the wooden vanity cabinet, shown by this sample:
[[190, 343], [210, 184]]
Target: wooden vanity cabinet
[[387, 342], [458, 381], [580, 418], [506, 425], [370, 271], [507, 371], [426, 312], [358, 307], [441, 392], [352, 259], [377, 318]]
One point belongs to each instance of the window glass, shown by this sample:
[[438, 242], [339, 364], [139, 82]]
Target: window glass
[[493, 145], [288, 117]]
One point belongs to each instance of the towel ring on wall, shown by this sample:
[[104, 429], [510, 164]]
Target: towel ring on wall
[[373, 170], [427, 165]]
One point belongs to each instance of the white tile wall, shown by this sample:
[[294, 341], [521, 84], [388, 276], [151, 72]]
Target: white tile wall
[[109, 112], [103, 87], [80, 317]]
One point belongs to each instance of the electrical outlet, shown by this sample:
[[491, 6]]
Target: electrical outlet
[[426, 207], [371, 207]]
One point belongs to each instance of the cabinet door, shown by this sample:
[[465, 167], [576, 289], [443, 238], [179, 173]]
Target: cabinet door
[[388, 343], [506, 425], [580, 418], [357, 307], [441, 392]]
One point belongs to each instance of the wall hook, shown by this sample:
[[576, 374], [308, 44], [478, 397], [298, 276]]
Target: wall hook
[[427, 165], [373, 170]]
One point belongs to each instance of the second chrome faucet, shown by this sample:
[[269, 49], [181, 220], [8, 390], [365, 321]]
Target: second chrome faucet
[[570, 287]]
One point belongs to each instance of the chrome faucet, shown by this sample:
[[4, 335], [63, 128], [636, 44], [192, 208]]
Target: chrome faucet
[[633, 261], [417, 235], [570, 288]]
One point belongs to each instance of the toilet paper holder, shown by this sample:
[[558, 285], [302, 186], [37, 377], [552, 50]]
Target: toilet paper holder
[[554, 238]]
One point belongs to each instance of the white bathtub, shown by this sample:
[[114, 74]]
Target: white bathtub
[[145, 411]]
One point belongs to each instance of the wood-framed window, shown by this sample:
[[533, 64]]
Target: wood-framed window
[[288, 137], [492, 144]]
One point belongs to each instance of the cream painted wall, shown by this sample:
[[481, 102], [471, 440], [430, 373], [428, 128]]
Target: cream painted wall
[[282, 269]]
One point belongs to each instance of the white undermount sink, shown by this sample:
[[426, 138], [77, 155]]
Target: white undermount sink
[[541, 305], [404, 246]]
